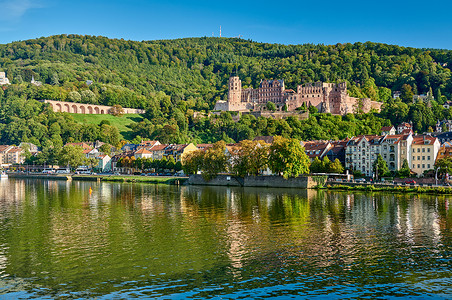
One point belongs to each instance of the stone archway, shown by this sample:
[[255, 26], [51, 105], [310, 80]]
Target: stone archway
[[74, 109], [66, 108], [82, 109], [90, 110], [96, 110], [57, 107], [102, 112]]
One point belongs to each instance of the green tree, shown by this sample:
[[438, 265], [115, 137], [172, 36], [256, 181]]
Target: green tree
[[404, 171], [444, 165], [214, 160], [380, 167], [317, 166], [288, 158], [406, 93], [193, 162], [73, 156], [271, 106], [336, 167]]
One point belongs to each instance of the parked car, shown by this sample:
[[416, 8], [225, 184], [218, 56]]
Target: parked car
[[411, 181], [63, 171], [48, 171], [360, 180]]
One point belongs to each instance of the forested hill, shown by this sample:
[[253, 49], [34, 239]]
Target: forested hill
[[196, 70], [172, 79]]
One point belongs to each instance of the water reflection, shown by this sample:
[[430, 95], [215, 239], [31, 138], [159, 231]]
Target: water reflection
[[124, 240]]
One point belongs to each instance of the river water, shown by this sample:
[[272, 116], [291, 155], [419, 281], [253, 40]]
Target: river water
[[110, 240]]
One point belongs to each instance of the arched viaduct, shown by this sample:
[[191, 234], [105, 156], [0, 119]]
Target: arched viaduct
[[80, 108]]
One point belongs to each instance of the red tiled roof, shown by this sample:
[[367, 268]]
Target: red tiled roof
[[158, 148], [142, 151]]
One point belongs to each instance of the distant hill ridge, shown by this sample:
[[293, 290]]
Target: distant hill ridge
[[196, 70]]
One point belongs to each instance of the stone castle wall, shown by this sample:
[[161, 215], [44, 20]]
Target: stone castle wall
[[80, 108]]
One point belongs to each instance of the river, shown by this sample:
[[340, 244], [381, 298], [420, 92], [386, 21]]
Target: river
[[109, 240]]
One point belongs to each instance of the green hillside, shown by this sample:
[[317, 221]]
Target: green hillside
[[121, 122], [174, 79]]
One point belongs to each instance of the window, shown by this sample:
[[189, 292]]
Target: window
[[418, 150], [428, 149], [414, 166], [423, 166], [414, 157], [428, 166], [418, 158], [423, 157], [423, 149], [428, 157]]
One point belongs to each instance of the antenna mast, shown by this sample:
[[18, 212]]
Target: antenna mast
[[220, 30]]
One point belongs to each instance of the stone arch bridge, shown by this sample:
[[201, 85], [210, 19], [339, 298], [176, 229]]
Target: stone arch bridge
[[80, 108]]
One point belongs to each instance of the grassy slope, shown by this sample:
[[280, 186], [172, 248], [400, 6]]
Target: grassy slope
[[121, 122]]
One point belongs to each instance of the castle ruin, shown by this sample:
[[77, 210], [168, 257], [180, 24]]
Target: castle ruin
[[326, 97]]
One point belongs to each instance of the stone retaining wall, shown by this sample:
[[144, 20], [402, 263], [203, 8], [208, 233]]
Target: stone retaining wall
[[255, 181]]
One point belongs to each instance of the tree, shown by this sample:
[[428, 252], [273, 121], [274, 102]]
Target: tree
[[380, 167], [336, 167], [171, 163], [288, 158], [87, 96], [73, 156], [313, 110], [316, 166], [250, 158], [326, 162], [117, 110], [74, 96], [55, 79], [193, 162], [105, 148], [406, 94], [444, 165], [271, 106], [214, 160], [404, 171]]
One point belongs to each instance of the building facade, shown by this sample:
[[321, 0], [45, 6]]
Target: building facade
[[3, 78], [326, 97], [425, 149]]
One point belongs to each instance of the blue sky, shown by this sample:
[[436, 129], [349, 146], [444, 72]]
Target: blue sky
[[406, 23]]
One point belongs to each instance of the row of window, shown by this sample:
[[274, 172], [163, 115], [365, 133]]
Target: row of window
[[423, 166], [419, 158]]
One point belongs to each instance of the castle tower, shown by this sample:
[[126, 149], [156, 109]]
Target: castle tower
[[235, 91]]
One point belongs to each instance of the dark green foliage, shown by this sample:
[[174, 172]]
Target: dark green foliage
[[172, 79]]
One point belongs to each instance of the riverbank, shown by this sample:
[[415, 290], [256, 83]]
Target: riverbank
[[107, 178], [301, 182], [442, 190]]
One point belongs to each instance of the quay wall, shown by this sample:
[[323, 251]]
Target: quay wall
[[305, 182]]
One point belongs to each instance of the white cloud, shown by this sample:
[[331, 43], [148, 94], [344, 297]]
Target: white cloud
[[15, 9]]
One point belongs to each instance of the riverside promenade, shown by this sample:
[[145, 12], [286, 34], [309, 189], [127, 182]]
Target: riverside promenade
[[172, 180]]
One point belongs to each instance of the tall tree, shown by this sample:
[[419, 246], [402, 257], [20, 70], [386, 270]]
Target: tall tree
[[288, 158], [380, 167]]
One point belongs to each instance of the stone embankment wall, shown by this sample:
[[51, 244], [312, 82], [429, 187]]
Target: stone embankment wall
[[304, 182]]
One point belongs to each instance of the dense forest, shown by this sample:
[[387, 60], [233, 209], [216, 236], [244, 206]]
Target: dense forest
[[172, 79]]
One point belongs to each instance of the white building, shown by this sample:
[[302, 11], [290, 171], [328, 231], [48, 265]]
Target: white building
[[362, 151], [424, 151], [3, 78]]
